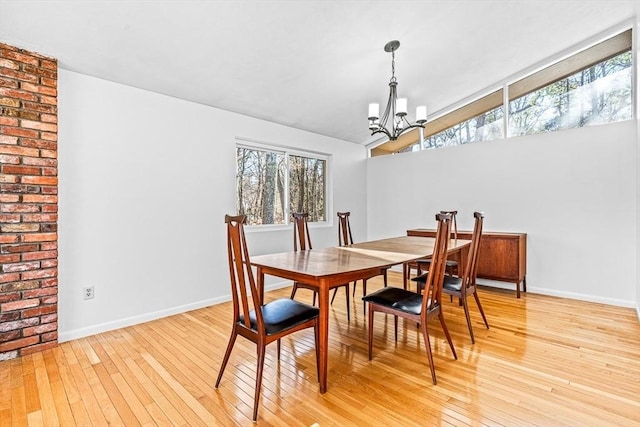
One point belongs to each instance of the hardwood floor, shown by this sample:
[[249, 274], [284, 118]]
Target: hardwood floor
[[545, 361]]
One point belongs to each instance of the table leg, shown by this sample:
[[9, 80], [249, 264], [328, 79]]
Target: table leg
[[323, 296]]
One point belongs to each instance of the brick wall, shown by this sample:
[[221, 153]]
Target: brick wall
[[28, 202]]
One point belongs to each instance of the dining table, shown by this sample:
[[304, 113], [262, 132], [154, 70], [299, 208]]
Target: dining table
[[327, 268]]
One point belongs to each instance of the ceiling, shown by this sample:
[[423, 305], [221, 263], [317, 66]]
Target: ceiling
[[312, 65]]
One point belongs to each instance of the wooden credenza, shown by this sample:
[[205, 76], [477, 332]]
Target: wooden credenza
[[502, 257]]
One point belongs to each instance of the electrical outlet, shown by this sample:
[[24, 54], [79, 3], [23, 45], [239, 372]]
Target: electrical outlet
[[87, 292]]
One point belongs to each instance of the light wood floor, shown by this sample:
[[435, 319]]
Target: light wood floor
[[545, 361]]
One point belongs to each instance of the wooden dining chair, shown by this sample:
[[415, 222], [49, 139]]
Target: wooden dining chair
[[414, 306], [346, 238], [465, 285], [422, 265], [258, 322], [302, 238]]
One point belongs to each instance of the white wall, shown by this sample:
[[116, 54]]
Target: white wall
[[145, 182], [573, 192]]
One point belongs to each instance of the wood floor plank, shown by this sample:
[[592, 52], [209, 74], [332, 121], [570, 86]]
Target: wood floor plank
[[544, 361]]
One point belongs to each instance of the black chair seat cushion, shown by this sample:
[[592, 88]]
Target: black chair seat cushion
[[450, 263], [282, 314], [398, 298], [450, 283]]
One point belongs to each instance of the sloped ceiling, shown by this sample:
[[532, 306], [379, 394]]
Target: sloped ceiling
[[313, 65]]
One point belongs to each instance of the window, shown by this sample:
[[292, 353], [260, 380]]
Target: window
[[271, 183], [592, 86], [598, 94]]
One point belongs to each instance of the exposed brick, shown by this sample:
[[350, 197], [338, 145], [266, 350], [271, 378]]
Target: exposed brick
[[40, 329], [49, 208], [20, 305], [20, 151], [8, 317], [49, 189], [19, 228], [39, 274], [49, 63], [14, 207], [49, 118], [8, 121], [38, 161], [35, 293], [9, 198], [20, 132], [34, 198], [9, 297], [8, 238], [42, 108], [48, 127], [9, 179], [53, 299], [4, 82], [9, 218], [19, 324], [11, 160], [49, 318], [9, 102], [39, 143], [50, 171], [21, 170], [10, 140], [21, 266], [9, 336], [11, 249], [46, 81], [40, 72], [39, 311], [20, 57], [39, 89], [49, 336], [49, 246], [48, 100], [40, 180], [8, 355], [18, 94], [20, 75], [41, 347], [53, 281], [29, 256], [20, 114], [21, 343], [19, 286], [40, 237], [4, 259], [7, 63], [10, 277]]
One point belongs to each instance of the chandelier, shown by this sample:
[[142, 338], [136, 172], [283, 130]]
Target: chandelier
[[396, 110]]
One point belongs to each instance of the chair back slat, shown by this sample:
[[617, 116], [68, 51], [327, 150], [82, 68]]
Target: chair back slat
[[469, 275], [433, 286], [243, 285], [301, 235], [454, 223], [344, 229]]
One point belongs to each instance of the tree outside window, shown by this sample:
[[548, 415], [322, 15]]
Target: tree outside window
[[272, 184]]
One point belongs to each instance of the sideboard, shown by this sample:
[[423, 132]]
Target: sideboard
[[502, 257]]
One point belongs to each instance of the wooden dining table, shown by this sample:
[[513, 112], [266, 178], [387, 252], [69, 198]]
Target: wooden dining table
[[330, 267]]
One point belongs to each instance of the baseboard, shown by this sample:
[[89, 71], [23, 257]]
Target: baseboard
[[582, 297], [134, 320]]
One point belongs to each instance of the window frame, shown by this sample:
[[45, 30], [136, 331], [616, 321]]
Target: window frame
[[289, 151]]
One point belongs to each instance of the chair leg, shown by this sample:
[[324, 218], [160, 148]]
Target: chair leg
[[427, 344], [335, 291], [395, 327], [293, 291], [446, 334], [465, 306], [405, 275], [315, 294], [256, 400], [278, 348], [384, 277], [475, 294], [364, 293], [316, 333], [232, 340], [355, 282], [370, 333], [346, 293]]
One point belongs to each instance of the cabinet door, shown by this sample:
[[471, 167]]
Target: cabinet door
[[499, 258]]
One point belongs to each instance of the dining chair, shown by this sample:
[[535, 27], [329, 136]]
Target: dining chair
[[464, 285], [346, 238], [258, 322], [420, 308], [302, 238], [422, 264]]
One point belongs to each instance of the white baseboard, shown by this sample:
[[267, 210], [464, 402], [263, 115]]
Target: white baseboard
[[134, 320]]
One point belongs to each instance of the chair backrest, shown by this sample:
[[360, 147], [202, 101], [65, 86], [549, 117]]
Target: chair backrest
[[469, 274], [301, 231], [433, 285], [243, 286], [454, 223], [344, 229]]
